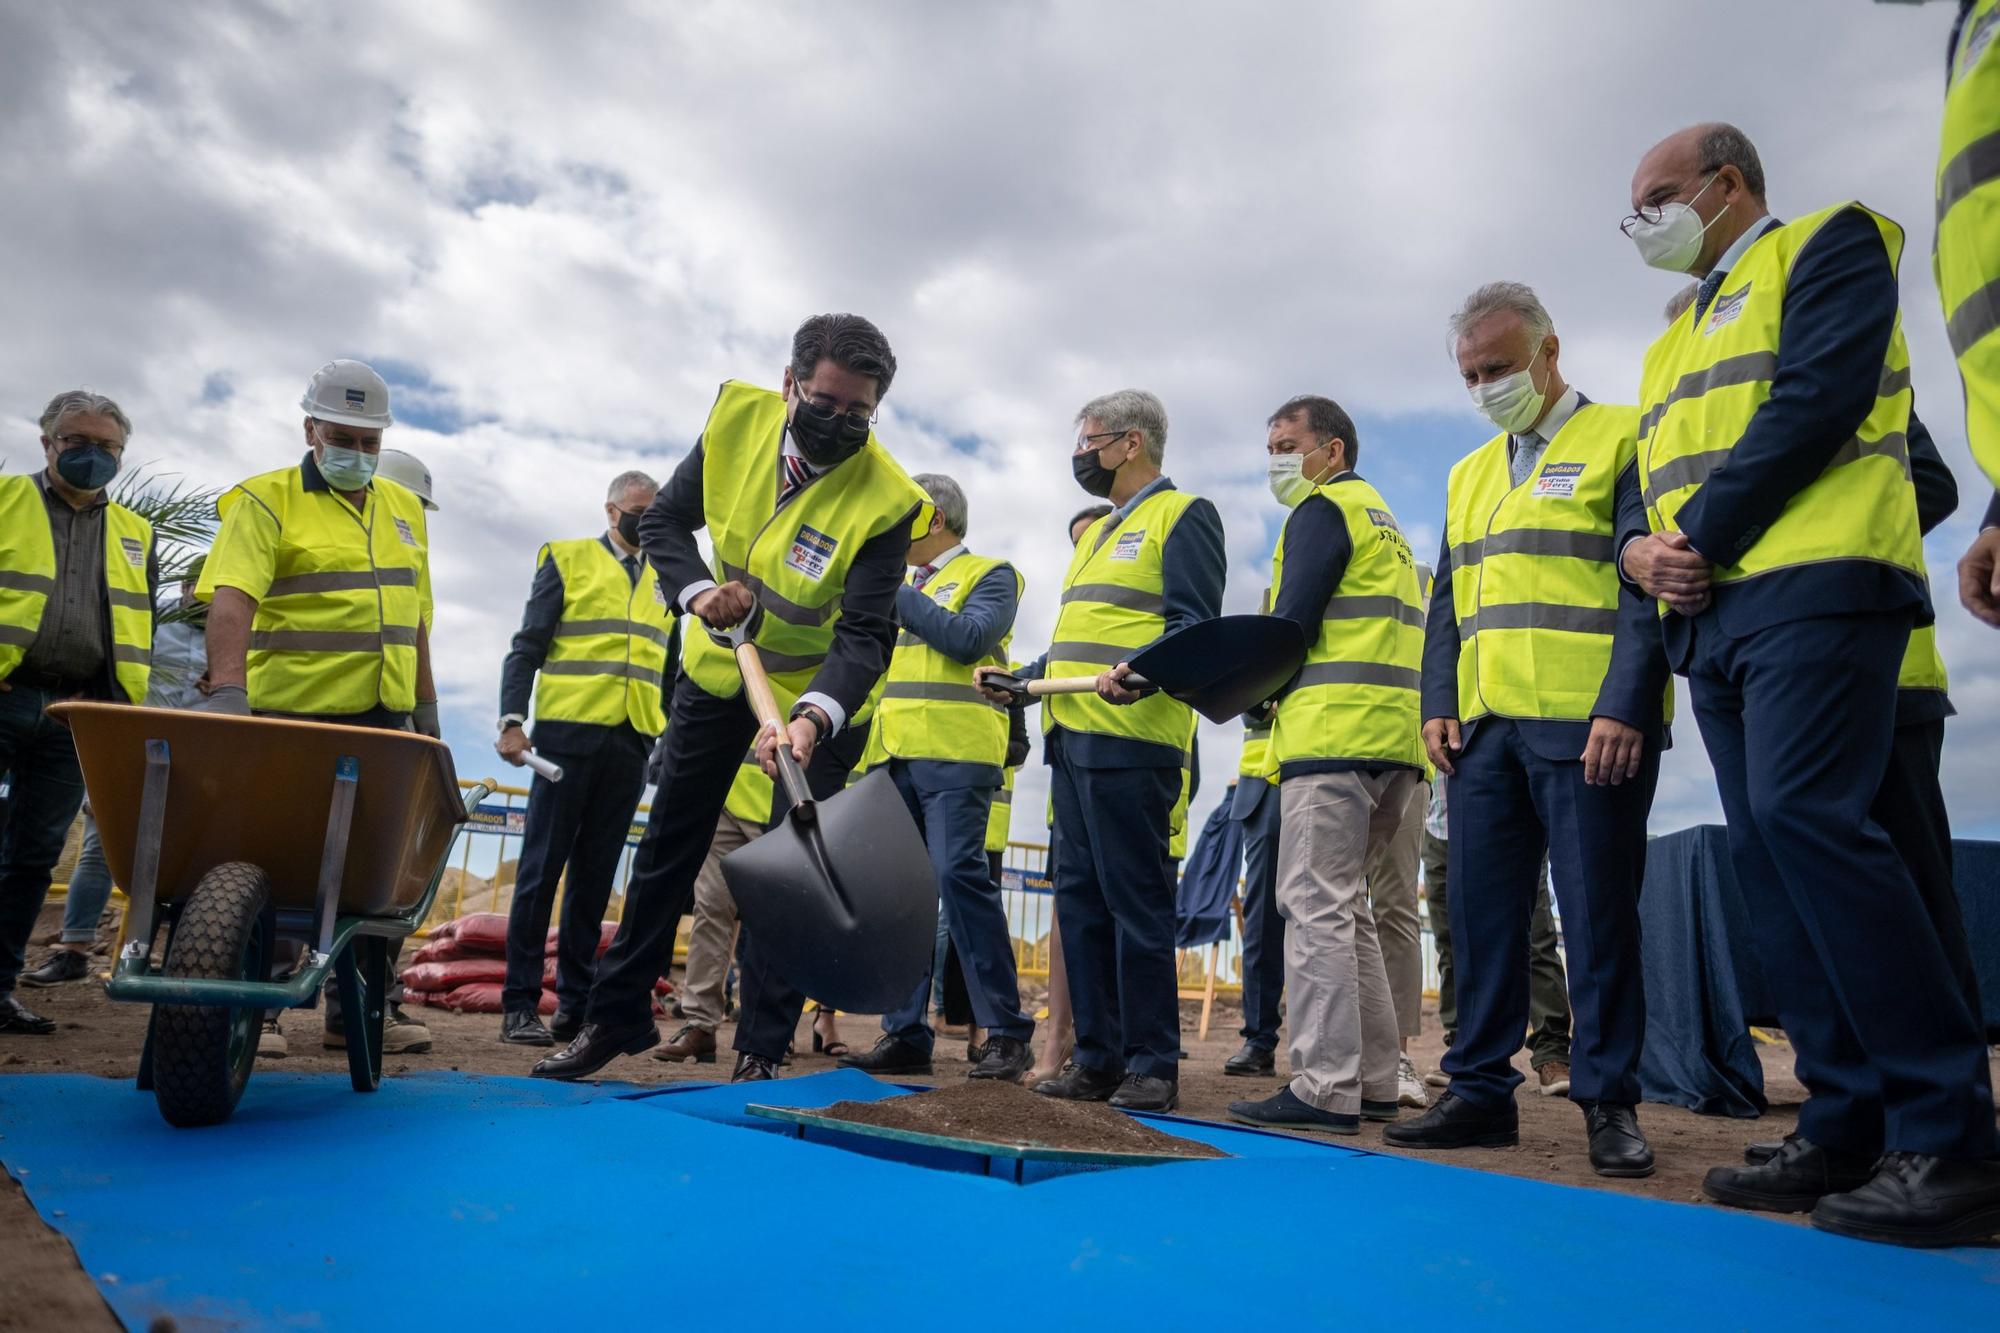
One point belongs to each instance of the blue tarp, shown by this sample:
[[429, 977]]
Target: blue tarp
[[446, 1201]]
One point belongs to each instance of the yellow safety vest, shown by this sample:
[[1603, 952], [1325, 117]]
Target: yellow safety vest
[[1177, 821], [1966, 259], [28, 577], [1534, 579], [1256, 760], [1923, 668], [930, 707], [340, 592], [1000, 818], [609, 653], [1703, 382], [750, 794], [1356, 697], [795, 559], [1113, 604]]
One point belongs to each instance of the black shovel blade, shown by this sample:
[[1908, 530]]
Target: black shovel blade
[[843, 903], [1224, 667]]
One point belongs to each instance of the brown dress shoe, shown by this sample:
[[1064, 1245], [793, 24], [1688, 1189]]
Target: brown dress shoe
[[690, 1043], [1554, 1075]]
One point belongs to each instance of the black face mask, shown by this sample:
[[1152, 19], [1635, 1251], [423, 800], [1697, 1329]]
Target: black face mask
[[826, 437], [1091, 474], [628, 527], [89, 468]]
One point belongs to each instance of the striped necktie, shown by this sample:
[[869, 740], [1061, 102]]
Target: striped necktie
[[923, 575], [797, 474]]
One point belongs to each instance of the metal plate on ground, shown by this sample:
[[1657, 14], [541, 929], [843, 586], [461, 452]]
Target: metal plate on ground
[[1027, 1152]]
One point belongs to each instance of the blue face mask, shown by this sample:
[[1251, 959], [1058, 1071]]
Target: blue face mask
[[345, 469], [89, 467]]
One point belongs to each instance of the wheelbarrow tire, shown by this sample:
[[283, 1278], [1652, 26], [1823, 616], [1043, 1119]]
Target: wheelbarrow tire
[[202, 1054]]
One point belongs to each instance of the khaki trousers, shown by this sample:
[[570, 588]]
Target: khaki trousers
[[1392, 894], [1343, 1022], [712, 937]]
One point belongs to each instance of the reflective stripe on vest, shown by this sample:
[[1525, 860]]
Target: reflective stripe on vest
[[345, 592], [1111, 608], [930, 708], [1966, 258], [28, 579], [1533, 584], [1703, 383], [795, 559], [608, 657], [1356, 697]]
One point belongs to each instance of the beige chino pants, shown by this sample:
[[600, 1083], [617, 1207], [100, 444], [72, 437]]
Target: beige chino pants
[[1392, 894], [712, 937]]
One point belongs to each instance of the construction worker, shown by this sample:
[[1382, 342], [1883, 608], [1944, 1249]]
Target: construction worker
[[598, 649], [809, 519], [1782, 540], [1151, 566], [1967, 263], [408, 471], [78, 573], [1349, 760], [319, 593], [945, 746], [1544, 691], [1254, 803]]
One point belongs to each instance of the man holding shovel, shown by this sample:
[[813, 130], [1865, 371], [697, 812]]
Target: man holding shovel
[[810, 520]]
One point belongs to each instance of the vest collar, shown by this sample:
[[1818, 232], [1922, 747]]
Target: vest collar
[[1734, 254]]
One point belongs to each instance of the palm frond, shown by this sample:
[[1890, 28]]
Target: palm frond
[[182, 514]]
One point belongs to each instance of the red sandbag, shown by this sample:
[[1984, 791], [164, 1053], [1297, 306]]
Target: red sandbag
[[451, 975], [437, 950], [430, 997], [482, 932], [606, 932], [483, 997]]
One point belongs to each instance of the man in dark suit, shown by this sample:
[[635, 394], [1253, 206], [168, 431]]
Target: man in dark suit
[[1783, 541]]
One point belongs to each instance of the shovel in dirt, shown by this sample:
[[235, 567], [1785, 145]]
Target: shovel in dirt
[[1222, 668], [840, 893]]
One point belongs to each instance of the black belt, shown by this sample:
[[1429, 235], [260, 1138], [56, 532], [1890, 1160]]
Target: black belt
[[48, 683]]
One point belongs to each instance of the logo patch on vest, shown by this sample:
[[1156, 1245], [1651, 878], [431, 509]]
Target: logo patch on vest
[[1382, 518], [812, 550], [135, 552], [1724, 311], [942, 593], [1128, 544], [1558, 480], [660, 595], [403, 531]]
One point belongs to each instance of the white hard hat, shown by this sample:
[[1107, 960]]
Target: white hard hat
[[348, 393], [406, 469]]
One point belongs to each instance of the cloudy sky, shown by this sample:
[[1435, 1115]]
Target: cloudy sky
[[556, 228]]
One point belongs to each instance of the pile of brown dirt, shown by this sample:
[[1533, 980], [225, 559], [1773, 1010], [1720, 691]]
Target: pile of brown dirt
[[1006, 1113]]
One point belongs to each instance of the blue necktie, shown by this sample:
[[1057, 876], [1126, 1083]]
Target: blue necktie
[[1707, 292]]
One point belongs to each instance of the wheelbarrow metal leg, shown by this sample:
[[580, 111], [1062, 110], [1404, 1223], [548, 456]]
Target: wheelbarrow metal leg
[[333, 856], [146, 1052], [142, 894], [364, 1037]]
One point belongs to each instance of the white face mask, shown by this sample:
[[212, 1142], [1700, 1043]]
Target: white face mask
[[1285, 474], [1673, 242], [1512, 404]]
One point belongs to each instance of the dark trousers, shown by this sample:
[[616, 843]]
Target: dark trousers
[[953, 822], [706, 738], [46, 793], [1508, 807], [575, 833], [1263, 926], [1548, 988], [1799, 720], [1910, 809], [1115, 904]]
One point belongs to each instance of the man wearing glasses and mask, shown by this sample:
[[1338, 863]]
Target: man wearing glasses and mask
[[596, 648], [77, 578], [809, 519]]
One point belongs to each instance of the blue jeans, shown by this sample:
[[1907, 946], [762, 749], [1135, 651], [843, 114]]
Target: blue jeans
[[89, 889], [47, 791]]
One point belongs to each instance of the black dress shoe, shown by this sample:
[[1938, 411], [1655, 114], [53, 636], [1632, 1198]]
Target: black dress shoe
[[1006, 1058], [61, 966], [1915, 1199], [1796, 1177], [1756, 1154], [1140, 1092], [1251, 1062], [1456, 1123], [753, 1069], [595, 1047], [1617, 1148], [17, 1021], [523, 1027], [890, 1055], [565, 1024], [1081, 1083]]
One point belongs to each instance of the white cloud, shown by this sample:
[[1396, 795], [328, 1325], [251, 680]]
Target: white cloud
[[572, 222]]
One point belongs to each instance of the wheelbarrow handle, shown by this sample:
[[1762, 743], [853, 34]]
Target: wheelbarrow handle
[[1025, 690], [757, 688]]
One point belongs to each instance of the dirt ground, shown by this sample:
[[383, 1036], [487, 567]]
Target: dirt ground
[[43, 1286]]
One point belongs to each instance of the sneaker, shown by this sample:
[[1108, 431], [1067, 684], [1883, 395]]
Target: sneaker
[[1437, 1078], [61, 966], [1409, 1088], [1554, 1075], [271, 1043], [1286, 1110], [401, 1035]]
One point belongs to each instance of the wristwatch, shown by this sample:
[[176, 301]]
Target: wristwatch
[[511, 720], [812, 714]]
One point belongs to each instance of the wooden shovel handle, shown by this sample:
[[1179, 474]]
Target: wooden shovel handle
[[757, 688], [1080, 685]]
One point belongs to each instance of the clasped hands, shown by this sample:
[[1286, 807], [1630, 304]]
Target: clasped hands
[[1668, 567]]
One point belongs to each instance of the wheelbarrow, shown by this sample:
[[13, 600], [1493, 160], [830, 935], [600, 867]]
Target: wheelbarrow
[[236, 833]]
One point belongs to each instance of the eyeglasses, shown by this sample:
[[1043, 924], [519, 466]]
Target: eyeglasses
[[1083, 442], [84, 441], [854, 421], [1652, 214]]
